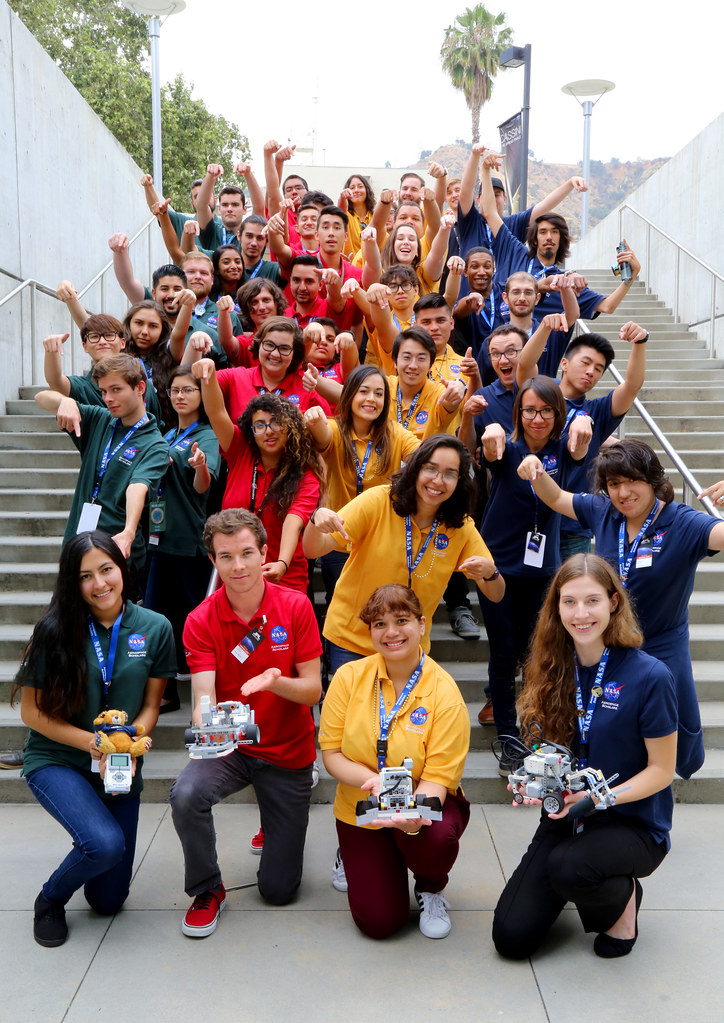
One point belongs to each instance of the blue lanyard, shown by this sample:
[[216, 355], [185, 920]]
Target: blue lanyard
[[387, 719], [169, 437], [229, 237], [412, 565], [585, 716], [544, 270], [105, 666], [624, 568], [413, 406], [108, 454], [492, 311], [148, 368], [200, 308], [255, 271], [361, 469], [397, 322]]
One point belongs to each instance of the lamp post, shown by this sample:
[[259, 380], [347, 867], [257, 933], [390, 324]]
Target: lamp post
[[588, 87], [514, 56], [154, 10]]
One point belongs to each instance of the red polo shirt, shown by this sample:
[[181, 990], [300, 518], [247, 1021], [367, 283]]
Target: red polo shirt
[[291, 634], [240, 385], [241, 460]]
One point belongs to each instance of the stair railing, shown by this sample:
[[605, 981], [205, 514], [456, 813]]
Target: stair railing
[[680, 249], [34, 286]]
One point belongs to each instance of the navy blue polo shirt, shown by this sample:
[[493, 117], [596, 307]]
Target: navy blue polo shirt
[[512, 506], [477, 327], [638, 703], [604, 423], [473, 229], [500, 407]]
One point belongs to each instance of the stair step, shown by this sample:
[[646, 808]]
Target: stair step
[[19, 523]]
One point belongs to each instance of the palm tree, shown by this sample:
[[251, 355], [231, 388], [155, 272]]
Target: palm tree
[[470, 56]]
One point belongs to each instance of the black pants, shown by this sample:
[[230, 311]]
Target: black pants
[[509, 625], [594, 870]]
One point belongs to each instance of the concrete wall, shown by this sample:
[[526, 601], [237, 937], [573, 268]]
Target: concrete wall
[[686, 200], [67, 185]]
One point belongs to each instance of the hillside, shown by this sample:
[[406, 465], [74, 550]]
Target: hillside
[[610, 183]]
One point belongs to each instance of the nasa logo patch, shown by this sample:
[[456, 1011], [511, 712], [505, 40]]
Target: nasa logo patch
[[130, 453], [441, 541], [421, 417], [278, 634], [418, 716], [612, 690], [136, 641]]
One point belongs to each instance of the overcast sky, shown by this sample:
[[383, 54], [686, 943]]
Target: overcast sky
[[365, 80]]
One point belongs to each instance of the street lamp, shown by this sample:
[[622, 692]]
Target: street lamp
[[514, 56], [588, 87], [154, 10]]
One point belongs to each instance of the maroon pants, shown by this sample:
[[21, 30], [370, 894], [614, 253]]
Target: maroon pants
[[376, 865]]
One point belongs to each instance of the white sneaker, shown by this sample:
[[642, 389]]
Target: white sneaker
[[434, 921], [339, 878], [315, 775]]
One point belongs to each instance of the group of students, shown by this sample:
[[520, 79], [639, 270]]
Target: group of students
[[334, 404]]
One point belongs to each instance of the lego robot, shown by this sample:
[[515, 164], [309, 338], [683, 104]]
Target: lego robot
[[396, 798], [222, 729], [547, 774]]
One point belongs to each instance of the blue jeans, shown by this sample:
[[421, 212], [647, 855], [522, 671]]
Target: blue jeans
[[339, 656], [103, 833]]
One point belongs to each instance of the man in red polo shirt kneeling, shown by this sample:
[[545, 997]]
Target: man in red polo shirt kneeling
[[258, 643]]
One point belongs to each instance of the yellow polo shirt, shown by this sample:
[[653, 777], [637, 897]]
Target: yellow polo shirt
[[429, 417], [342, 477], [433, 727], [378, 556]]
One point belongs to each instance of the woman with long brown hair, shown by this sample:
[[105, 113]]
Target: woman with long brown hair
[[589, 687]]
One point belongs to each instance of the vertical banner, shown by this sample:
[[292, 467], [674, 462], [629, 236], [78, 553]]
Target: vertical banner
[[511, 142]]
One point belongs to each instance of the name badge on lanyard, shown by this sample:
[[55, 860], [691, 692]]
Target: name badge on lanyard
[[248, 643]]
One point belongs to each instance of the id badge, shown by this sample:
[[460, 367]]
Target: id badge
[[246, 647], [95, 766], [644, 557], [89, 516], [535, 545], [157, 516]]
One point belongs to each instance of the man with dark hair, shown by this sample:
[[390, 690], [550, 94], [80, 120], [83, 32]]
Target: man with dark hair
[[305, 283], [548, 244], [252, 237], [177, 219], [231, 207], [257, 642], [123, 455], [416, 402]]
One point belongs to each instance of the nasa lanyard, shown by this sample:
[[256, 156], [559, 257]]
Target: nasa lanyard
[[252, 502], [361, 469], [229, 237], [107, 457], [397, 322], [412, 565], [255, 271], [169, 438], [492, 310], [623, 569], [413, 406], [105, 666], [585, 716], [387, 719], [544, 271]]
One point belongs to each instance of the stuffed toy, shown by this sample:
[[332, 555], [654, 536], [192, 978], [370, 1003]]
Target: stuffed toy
[[113, 735]]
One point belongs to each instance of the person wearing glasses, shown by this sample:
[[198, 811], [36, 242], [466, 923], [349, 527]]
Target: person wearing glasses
[[100, 335], [521, 531], [274, 471], [178, 568], [278, 346]]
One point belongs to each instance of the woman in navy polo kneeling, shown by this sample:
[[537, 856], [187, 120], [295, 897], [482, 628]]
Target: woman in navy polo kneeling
[[379, 710], [92, 650], [590, 688]]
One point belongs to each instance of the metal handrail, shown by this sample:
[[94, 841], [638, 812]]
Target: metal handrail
[[715, 275], [35, 286], [691, 486]]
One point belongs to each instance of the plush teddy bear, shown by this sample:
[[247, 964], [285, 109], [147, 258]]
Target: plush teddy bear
[[113, 735]]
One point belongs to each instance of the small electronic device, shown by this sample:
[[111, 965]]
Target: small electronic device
[[622, 270], [118, 774], [396, 798], [549, 772], [223, 727]]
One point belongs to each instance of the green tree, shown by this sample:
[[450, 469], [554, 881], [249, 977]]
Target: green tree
[[102, 48], [470, 55]]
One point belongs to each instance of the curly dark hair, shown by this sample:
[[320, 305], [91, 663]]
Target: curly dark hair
[[461, 503], [250, 290], [159, 358], [299, 451], [632, 459], [58, 643]]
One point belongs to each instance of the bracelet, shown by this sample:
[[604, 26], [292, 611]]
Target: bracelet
[[642, 341], [413, 833], [286, 567], [493, 577]]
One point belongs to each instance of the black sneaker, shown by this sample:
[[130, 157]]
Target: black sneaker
[[508, 765], [463, 623], [49, 926]]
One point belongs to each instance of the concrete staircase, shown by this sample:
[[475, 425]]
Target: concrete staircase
[[685, 394]]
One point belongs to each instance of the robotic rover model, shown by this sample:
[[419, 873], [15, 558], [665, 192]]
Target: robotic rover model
[[222, 729], [396, 798], [548, 774]]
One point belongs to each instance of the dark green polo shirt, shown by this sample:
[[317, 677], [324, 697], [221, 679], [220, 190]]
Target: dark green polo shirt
[[185, 509]]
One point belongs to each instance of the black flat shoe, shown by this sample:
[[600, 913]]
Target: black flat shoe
[[49, 926], [608, 947]]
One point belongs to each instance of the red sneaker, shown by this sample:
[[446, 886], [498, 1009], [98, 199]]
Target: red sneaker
[[257, 843], [202, 915]]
